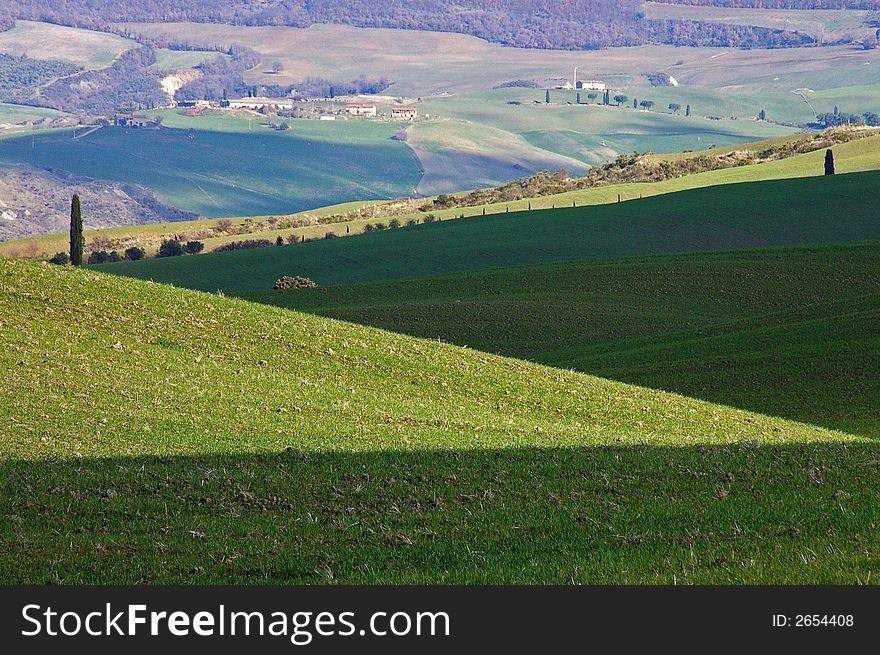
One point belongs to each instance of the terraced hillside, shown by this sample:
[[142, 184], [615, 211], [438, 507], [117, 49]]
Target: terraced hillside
[[787, 332], [746, 215], [194, 438]]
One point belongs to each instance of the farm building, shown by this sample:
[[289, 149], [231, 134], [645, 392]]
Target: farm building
[[591, 85], [259, 103], [188, 104], [405, 114], [361, 110], [133, 120]]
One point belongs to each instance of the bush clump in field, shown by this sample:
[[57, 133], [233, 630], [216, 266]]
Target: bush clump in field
[[135, 254], [171, 248], [194, 247], [246, 244], [103, 257], [60, 258], [294, 282]]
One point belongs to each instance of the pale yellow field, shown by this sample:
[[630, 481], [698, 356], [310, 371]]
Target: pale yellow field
[[84, 48], [430, 63], [823, 24]]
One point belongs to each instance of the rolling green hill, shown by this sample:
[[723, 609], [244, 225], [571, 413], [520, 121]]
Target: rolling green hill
[[787, 332], [220, 168], [191, 438], [746, 215]]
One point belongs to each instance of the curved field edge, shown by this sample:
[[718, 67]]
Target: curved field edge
[[784, 331]]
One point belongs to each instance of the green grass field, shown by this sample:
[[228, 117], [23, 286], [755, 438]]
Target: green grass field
[[217, 167], [745, 215], [786, 332], [192, 438]]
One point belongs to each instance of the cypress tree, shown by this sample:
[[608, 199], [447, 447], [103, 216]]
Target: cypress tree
[[829, 162], [547, 97], [77, 240], [687, 110]]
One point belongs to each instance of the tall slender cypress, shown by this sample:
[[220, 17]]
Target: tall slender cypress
[[829, 162], [77, 240]]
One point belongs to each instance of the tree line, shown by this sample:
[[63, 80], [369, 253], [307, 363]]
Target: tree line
[[778, 4], [556, 24]]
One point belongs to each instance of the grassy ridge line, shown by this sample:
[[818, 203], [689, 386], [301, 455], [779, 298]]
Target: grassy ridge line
[[193, 438], [787, 332], [314, 368], [853, 156], [747, 215]]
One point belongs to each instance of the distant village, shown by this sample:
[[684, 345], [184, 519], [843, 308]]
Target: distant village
[[340, 108], [285, 107]]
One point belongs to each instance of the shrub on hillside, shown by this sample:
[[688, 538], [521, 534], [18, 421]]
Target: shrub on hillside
[[294, 282], [60, 258], [134, 253], [194, 247], [247, 244], [394, 223], [98, 257], [171, 248]]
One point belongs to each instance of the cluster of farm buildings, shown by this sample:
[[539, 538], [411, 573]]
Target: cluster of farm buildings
[[583, 85], [276, 104], [272, 105]]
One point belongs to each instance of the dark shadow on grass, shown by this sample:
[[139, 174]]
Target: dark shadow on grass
[[734, 514]]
